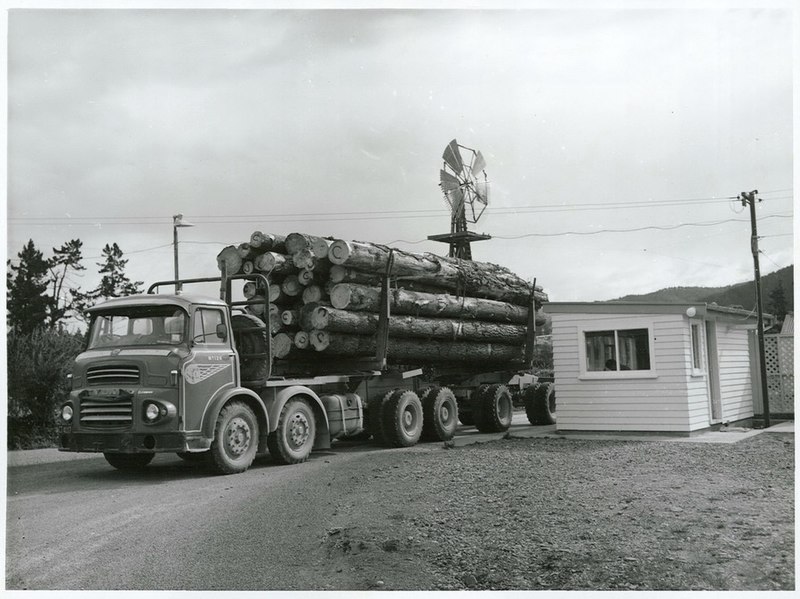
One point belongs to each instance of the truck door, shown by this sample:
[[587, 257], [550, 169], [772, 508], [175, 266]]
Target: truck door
[[210, 368]]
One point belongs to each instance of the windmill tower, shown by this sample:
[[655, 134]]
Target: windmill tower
[[466, 192]]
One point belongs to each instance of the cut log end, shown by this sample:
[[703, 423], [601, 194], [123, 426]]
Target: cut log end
[[341, 295], [339, 251]]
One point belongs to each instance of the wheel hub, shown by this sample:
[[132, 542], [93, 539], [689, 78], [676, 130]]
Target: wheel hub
[[298, 430], [237, 436], [444, 413]]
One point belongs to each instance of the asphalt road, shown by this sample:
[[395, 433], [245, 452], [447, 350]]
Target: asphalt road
[[73, 522]]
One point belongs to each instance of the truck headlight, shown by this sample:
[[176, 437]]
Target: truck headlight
[[66, 413], [151, 412]]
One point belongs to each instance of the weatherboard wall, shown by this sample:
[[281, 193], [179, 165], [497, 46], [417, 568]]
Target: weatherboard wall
[[658, 401], [673, 396]]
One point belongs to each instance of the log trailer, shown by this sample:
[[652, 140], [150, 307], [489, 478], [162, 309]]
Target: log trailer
[[195, 376]]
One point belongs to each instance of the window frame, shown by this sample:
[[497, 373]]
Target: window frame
[[197, 315], [615, 326], [701, 328]]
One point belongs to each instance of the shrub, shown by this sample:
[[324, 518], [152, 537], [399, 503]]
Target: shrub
[[38, 363]]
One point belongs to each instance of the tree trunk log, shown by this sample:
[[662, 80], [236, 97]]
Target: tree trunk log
[[367, 299], [291, 286], [229, 261], [465, 277], [261, 242], [314, 316], [313, 294], [271, 262], [290, 318], [301, 339], [341, 344], [296, 242], [281, 345]]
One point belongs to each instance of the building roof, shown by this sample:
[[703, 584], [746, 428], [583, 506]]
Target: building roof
[[700, 309]]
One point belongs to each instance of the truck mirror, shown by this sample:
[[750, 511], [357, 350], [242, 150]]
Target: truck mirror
[[222, 332]]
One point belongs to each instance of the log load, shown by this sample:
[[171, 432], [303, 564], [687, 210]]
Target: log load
[[466, 277], [317, 317], [442, 310], [341, 344]]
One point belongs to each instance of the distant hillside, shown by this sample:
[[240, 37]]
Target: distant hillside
[[741, 294]]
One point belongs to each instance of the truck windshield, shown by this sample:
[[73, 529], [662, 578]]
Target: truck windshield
[[147, 325]]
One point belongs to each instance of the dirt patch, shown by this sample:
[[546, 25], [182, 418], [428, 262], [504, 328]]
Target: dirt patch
[[569, 514]]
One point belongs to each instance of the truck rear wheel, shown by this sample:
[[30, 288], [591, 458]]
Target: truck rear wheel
[[439, 414], [292, 441], [375, 416], [540, 403], [129, 461], [235, 439], [402, 419], [492, 408]]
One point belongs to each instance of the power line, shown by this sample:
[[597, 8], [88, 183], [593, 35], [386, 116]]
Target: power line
[[367, 214]]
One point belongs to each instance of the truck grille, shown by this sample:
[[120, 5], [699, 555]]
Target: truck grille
[[103, 375], [112, 413]]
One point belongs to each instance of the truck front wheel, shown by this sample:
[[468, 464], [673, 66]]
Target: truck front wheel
[[293, 440], [129, 461], [235, 439]]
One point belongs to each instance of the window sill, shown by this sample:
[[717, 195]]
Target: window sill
[[617, 376]]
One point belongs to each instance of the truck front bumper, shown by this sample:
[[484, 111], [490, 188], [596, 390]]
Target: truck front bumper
[[129, 442]]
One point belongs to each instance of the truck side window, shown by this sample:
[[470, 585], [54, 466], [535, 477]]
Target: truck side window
[[205, 325]]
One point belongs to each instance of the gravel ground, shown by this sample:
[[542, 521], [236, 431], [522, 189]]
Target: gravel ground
[[569, 514]]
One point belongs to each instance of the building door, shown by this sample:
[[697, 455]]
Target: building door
[[715, 400]]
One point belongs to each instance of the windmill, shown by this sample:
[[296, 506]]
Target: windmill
[[466, 192]]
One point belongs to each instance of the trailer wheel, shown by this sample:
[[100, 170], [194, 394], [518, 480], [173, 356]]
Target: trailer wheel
[[235, 439], [439, 414], [540, 403], [292, 441], [492, 408], [375, 416], [129, 461], [402, 419]]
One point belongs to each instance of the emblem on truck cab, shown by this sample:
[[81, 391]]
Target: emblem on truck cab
[[197, 373]]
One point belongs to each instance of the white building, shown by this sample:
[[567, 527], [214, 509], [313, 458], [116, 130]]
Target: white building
[[652, 366]]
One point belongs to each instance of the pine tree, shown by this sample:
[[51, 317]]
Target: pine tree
[[115, 283], [777, 302], [28, 305], [66, 302]]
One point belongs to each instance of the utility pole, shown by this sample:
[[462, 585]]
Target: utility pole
[[749, 198]]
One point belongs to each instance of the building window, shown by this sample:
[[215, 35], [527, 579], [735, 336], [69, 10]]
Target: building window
[[617, 350], [698, 366]]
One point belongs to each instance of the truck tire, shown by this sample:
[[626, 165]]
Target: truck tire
[[375, 416], [235, 439], [492, 408], [540, 403], [402, 419], [129, 461], [439, 414], [292, 441]]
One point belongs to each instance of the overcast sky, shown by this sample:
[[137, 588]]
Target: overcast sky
[[333, 122]]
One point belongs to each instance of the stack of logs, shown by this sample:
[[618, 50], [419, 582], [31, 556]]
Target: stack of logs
[[325, 295]]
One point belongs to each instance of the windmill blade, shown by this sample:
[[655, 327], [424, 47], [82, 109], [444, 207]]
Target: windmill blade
[[448, 181], [452, 156], [482, 191], [456, 199], [479, 163]]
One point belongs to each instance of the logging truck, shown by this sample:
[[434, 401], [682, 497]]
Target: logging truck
[[198, 376]]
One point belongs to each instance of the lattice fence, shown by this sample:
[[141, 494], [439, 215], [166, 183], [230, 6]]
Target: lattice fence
[[779, 354]]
